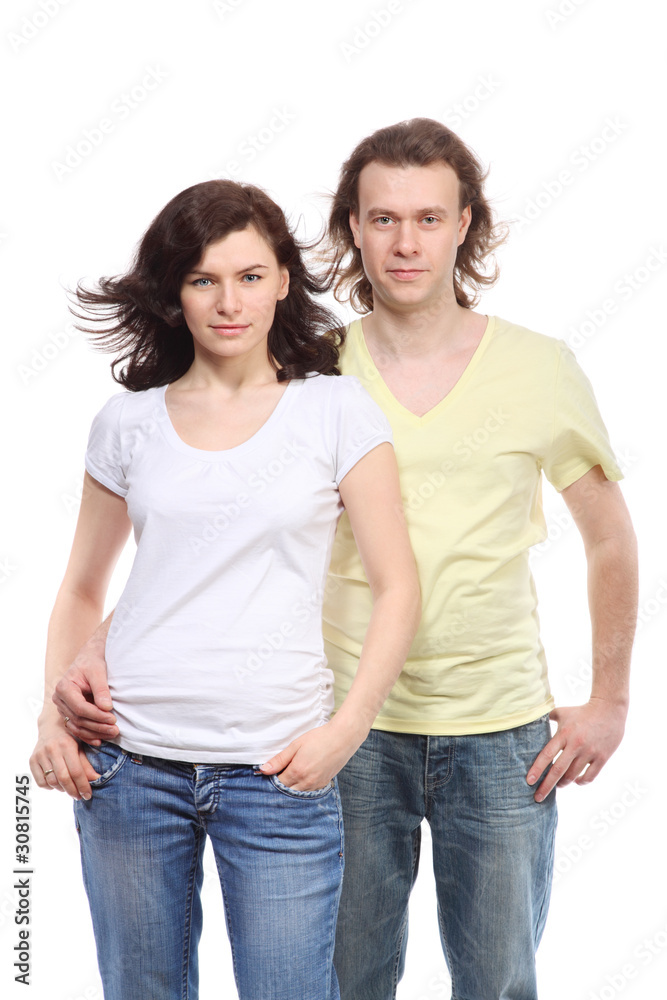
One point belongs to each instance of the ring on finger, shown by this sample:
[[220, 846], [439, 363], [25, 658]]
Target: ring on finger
[[66, 719], [50, 771]]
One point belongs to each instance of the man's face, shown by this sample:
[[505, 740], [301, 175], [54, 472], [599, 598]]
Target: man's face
[[408, 230]]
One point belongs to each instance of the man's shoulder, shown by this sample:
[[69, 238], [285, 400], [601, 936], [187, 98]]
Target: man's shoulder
[[521, 338]]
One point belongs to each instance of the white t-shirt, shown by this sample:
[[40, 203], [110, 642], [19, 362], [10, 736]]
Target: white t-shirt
[[215, 652]]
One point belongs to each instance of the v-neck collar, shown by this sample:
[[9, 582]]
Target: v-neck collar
[[356, 330]]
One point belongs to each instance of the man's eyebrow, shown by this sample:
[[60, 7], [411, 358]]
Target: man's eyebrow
[[243, 270], [429, 210]]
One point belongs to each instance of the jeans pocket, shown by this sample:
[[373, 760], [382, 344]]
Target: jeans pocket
[[107, 760], [314, 793]]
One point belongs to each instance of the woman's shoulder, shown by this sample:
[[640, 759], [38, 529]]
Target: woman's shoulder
[[343, 397], [132, 406], [333, 386]]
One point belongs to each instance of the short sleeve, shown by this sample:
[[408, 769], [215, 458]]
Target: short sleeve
[[580, 439], [357, 424], [104, 452]]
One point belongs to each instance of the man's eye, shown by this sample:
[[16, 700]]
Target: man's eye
[[429, 218], [382, 219]]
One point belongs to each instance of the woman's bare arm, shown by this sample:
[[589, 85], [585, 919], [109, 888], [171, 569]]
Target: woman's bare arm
[[101, 532], [371, 494]]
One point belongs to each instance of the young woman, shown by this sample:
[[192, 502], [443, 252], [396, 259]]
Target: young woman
[[232, 456]]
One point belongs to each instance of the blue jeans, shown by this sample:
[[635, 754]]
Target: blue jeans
[[279, 855], [492, 856]]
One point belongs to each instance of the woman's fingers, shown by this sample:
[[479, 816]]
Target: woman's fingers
[[60, 762]]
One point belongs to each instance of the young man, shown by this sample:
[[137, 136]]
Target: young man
[[478, 407]]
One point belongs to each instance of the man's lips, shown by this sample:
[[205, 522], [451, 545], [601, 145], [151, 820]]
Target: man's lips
[[405, 273]]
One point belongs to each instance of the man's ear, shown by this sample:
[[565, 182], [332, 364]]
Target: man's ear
[[464, 223], [354, 226]]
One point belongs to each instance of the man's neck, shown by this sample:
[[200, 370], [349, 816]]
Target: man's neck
[[423, 332]]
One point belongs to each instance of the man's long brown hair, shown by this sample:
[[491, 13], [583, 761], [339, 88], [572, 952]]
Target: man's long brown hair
[[418, 142]]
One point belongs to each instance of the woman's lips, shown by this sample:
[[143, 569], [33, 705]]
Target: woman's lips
[[229, 330]]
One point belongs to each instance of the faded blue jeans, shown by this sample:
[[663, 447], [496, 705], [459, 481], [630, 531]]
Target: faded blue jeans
[[279, 855], [492, 857]]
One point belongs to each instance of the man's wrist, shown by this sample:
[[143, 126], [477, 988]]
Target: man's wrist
[[613, 702]]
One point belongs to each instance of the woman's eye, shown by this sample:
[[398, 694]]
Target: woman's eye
[[199, 282], [250, 279]]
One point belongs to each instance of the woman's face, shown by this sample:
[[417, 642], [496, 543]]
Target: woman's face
[[229, 299]]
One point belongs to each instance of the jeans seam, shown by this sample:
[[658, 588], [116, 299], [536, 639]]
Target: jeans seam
[[334, 911], [448, 955], [228, 916], [425, 779], [416, 843], [546, 896], [188, 914]]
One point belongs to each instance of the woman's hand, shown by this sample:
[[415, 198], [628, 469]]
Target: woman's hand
[[58, 761], [312, 760]]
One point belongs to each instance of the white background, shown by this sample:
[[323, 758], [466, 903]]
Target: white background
[[536, 90]]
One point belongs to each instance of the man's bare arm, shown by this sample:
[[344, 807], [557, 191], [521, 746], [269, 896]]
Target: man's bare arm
[[588, 735], [82, 694]]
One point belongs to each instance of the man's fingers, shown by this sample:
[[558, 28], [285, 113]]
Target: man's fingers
[[591, 772], [81, 711], [101, 695], [84, 734], [90, 732], [543, 759]]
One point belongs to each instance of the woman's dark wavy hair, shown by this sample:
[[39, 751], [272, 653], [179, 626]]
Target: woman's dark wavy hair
[[141, 310], [417, 142]]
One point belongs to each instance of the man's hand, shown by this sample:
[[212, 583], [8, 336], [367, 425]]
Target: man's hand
[[312, 760], [586, 737], [83, 698]]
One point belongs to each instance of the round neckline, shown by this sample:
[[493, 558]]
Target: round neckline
[[176, 441], [446, 401]]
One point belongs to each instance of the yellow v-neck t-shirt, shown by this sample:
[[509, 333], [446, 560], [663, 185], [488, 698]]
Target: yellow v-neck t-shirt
[[471, 484]]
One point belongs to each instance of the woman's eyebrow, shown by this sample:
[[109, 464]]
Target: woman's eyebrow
[[211, 274]]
